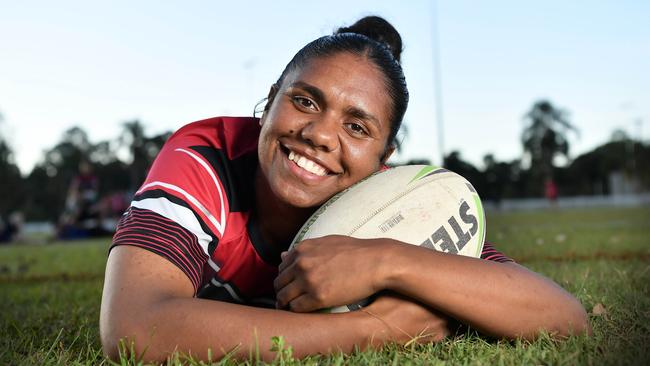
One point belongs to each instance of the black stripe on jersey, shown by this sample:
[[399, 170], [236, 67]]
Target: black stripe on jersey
[[269, 253], [212, 292], [237, 178], [159, 193], [236, 175], [149, 230], [220, 293]]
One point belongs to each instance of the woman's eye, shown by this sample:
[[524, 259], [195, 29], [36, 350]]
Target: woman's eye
[[305, 102], [357, 128]]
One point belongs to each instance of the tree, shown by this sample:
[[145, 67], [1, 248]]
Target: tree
[[142, 150], [545, 137], [590, 173], [456, 164], [497, 177], [11, 189]]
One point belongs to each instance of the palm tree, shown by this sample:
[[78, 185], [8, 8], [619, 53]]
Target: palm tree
[[545, 137]]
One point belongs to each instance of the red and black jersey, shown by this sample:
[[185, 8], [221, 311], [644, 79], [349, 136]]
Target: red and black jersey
[[196, 209]]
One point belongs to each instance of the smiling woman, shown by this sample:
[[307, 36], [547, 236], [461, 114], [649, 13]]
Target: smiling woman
[[198, 260], [332, 115]]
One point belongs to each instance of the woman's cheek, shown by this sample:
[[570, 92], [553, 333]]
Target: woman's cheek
[[365, 158]]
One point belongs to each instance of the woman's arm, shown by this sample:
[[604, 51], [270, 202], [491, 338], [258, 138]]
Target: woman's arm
[[500, 299], [150, 301]]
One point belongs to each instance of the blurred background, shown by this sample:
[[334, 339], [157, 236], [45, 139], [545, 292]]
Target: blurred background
[[540, 105]]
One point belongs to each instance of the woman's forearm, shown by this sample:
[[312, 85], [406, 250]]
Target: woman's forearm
[[500, 299], [148, 301], [192, 326]]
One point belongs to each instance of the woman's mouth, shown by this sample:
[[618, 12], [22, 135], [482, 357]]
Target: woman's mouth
[[307, 164]]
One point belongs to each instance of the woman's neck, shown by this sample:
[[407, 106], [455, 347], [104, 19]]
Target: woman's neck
[[278, 221]]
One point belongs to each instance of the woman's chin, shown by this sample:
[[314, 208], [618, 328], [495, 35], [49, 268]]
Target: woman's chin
[[304, 202], [299, 199]]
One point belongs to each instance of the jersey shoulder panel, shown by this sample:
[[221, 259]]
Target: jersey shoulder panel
[[236, 136], [195, 163]]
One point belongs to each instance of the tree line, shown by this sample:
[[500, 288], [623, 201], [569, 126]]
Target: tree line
[[545, 139], [121, 165]]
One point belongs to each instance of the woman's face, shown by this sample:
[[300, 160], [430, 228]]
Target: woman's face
[[326, 129]]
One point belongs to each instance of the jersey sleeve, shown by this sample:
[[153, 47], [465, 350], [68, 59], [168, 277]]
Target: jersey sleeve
[[491, 254], [179, 212]]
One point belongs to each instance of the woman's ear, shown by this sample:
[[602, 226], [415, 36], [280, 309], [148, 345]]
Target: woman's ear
[[273, 91], [389, 151]]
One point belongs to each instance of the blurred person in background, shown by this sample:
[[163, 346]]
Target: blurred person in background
[[83, 214]]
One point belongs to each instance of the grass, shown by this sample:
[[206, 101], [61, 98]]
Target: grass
[[50, 296]]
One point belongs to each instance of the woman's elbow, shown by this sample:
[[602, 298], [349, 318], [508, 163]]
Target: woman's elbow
[[565, 320], [119, 337], [110, 346], [577, 322], [571, 321]]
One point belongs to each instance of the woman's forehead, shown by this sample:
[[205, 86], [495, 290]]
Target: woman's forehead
[[345, 78], [347, 64]]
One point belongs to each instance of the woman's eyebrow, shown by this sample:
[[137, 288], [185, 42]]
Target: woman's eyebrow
[[314, 91], [363, 115]]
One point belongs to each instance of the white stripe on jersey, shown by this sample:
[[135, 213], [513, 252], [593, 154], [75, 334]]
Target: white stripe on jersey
[[216, 184], [179, 214], [228, 288], [194, 201], [214, 265]]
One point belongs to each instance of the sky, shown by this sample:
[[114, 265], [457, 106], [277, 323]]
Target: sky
[[168, 63]]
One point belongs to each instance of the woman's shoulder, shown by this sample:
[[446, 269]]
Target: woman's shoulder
[[236, 136], [214, 160]]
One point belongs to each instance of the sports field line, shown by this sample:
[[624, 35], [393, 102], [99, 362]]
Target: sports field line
[[63, 277], [573, 257]]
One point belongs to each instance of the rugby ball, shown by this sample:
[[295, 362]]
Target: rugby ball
[[417, 204]]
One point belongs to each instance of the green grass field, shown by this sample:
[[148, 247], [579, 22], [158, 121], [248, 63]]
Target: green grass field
[[50, 296]]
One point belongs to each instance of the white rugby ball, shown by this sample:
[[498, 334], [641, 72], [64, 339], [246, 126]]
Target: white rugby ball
[[417, 204]]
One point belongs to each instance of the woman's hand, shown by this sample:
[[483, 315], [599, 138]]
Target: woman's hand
[[330, 271]]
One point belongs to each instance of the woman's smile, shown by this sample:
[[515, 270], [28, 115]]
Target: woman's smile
[[307, 164], [303, 167]]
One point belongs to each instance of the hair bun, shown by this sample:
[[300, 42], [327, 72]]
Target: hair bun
[[378, 29]]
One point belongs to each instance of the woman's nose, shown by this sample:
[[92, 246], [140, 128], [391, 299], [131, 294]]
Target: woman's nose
[[321, 133]]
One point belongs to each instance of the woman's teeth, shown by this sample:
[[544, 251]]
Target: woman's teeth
[[307, 164]]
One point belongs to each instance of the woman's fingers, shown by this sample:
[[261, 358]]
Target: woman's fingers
[[304, 303], [292, 297], [284, 278], [287, 259], [294, 292], [323, 269], [288, 292]]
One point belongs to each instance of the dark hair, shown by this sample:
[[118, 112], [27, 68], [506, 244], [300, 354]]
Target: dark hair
[[378, 41]]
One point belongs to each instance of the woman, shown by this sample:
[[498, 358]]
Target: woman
[[226, 196]]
